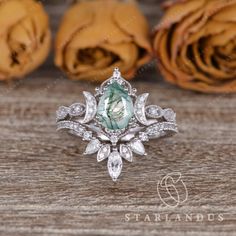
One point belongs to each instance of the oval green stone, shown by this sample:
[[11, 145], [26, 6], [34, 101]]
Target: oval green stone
[[115, 108]]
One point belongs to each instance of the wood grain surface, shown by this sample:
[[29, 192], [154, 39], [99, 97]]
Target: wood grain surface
[[48, 188]]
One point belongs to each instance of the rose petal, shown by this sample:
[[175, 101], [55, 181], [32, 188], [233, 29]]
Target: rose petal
[[197, 47], [130, 20], [75, 18], [93, 51], [25, 37]]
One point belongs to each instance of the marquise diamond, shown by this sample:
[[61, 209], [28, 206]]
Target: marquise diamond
[[114, 165], [137, 147], [92, 147], [126, 153], [103, 152]]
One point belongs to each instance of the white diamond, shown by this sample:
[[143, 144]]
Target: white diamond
[[116, 73], [76, 109], [62, 112], [103, 152], [114, 139], [137, 147], [154, 111], [114, 165], [142, 99], [143, 137], [92, 147], [169, 115], [87, 135], [79, 129], [126, 153]]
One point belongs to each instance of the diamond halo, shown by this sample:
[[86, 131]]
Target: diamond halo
[[116, 122]]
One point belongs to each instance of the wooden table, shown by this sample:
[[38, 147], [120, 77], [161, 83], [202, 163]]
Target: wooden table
[[48, 188]]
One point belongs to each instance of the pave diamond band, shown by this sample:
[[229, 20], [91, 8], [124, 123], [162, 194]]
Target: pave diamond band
[[116, 122]]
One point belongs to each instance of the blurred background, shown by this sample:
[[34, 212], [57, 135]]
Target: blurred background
[[56, 9]]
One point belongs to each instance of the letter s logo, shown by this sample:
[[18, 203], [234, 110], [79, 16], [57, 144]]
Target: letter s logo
[[172, 190]]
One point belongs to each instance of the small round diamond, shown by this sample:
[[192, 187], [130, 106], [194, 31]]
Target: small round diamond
[[154, 111], [116, 73], [87, 135], [169, 115], [143, 136], [114, 139]]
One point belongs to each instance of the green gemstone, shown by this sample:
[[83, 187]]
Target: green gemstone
[[115, 108]]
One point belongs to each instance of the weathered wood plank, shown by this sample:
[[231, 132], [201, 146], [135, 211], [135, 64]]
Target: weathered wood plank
[[48, 188]]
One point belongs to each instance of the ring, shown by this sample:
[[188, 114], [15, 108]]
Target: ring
[[116, 122]]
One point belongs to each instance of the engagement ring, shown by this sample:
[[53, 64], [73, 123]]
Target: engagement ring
[[116, 122]]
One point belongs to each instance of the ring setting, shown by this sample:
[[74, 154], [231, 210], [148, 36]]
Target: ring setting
[[116, 122]]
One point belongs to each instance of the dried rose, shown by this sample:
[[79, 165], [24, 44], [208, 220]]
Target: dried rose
[[196, 45], [25, 37], [96, 36]]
